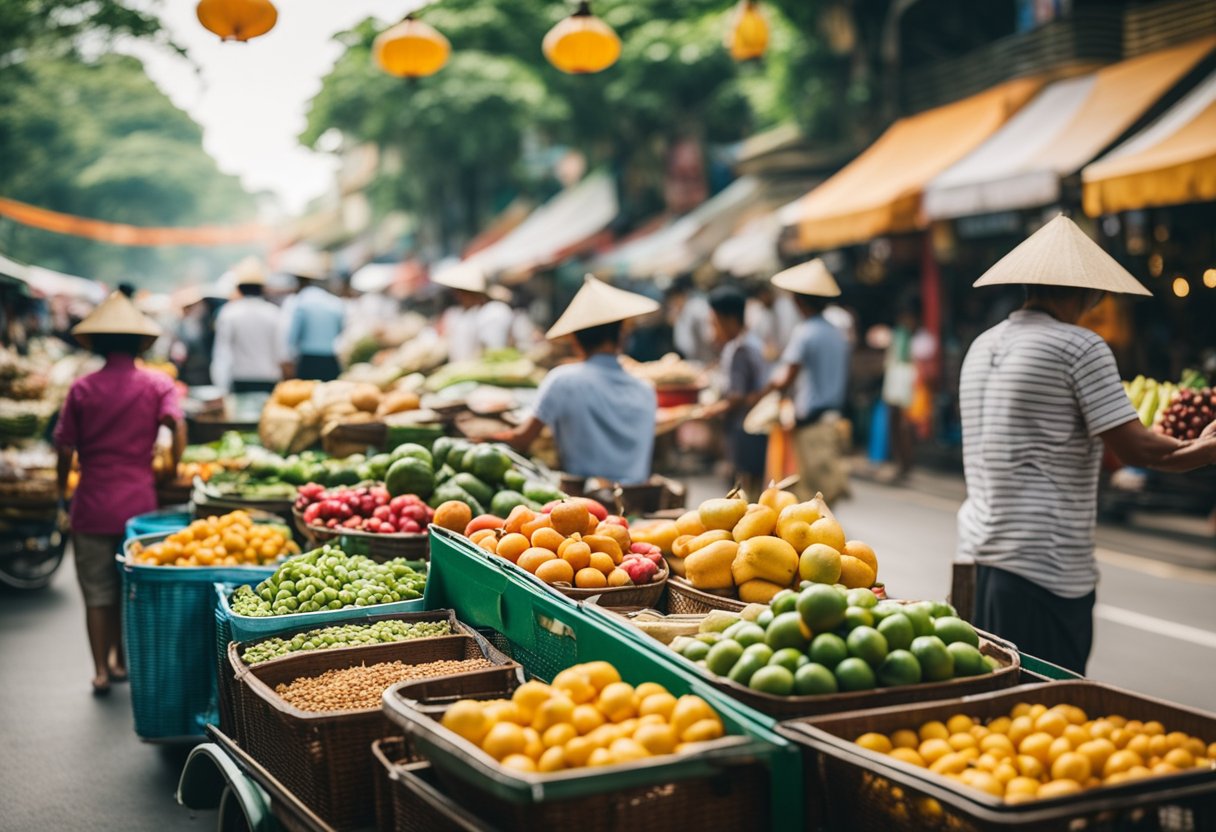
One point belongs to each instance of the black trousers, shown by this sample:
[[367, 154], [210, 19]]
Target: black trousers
[[318, 367], [1041, 623], [249, 386]]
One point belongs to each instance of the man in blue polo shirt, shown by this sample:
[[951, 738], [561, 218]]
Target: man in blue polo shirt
[[815, 365], [602, 418]]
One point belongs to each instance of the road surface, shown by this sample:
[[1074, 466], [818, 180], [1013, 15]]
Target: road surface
[[70, 761]]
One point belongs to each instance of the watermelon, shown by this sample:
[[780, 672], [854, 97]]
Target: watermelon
[[410, 475]]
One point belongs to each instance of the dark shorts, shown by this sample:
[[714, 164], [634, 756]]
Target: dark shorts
[[318, 367], [246, 386], [1041, 623]]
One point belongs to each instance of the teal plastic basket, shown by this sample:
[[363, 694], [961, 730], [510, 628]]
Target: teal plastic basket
[[168, 634], [158, 522], [547, 632], [255, 627]]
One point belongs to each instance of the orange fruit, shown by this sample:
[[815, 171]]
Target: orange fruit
[[908, 755], [1052, 722], [1037, 745], [454, 516], [590, 578], [517, 518], [577, 751], [931, 750], [1071, 766], [1179, 758], [576, 553], [569, 517], [480, 535], [534, 557], [1121, 761], [548, 538], [1058, 788], [1098, 752], [555, 571], [489, 543], [592, 523], [541, 521], [602, 562], [933, 730], [619, 577], [511, 546]]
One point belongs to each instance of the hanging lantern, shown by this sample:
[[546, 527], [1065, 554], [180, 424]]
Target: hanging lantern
[[411, 49], [748, 35], [582, 43], [239, 20]]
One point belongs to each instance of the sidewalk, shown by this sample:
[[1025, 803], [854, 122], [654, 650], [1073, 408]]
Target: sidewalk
[[1175, 538]]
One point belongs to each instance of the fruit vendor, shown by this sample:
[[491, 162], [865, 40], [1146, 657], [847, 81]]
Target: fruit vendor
[[246, 355], [110, 420], [1040, 396], [743, 373], [478, 322], [602, 418], [815, 365]]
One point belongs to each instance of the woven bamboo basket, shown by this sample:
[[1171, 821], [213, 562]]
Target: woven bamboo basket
[[378, 547], [633, 597], [683, 599], [325, 758]]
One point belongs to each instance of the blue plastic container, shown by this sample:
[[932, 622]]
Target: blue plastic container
[[158, 522], [168, 633]]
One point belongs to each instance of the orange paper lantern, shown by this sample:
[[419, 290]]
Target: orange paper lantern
[[582, 43], [239, 20], [411, 49], [748, 36]]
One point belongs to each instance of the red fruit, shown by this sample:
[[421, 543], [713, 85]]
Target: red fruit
[[398, 503], [648, 551], [410, 527], [352, 522], [332, 523], [483, 521], [312, 513], [598, 510], [616, 520], [640, 569], [382, 512], [416, 513]]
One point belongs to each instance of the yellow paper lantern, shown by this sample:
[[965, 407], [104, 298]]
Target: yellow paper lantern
[[748, 35], [239, 20], [582, 43], [411, 49]]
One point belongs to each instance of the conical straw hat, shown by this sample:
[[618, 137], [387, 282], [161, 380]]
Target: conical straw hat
[[598, 303], [116, 315], [249, 272], [466, 276], [810, 278], [304, 264], [1061, 254]]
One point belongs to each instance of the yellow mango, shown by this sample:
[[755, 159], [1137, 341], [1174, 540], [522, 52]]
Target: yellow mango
[[778, 500], [768, 558], [722, 513], [710, 566], [687, 547], [758, 591], [690, 523], [661, 533], [675, 564], [758, 521]]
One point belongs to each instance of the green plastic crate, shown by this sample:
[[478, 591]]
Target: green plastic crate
[[170, 644], [547, 632]]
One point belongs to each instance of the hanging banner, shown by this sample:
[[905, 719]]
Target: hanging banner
[[120, 234]]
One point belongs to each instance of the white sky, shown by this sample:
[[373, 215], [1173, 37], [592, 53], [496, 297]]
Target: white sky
[[252, 98]]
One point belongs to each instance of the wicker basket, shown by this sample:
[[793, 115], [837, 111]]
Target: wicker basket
[[733, 796], [685, 599], [419, 805], [858, 788], [325, 758], [388, 752], [378, 547], [632, 597]]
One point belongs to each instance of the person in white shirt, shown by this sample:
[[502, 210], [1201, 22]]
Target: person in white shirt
[[477, 323], [246, 356]]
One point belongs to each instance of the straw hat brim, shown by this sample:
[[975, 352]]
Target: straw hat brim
[[249, 272], [1061, 254], [809, 278], [466, 277], [116, 315], [597, 304]]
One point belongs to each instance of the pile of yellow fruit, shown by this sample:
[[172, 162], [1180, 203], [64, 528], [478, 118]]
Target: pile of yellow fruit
[[587, 717], [228, 540], [752, 551], [1038, 752]]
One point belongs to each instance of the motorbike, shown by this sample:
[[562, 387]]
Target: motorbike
[[33, 538]]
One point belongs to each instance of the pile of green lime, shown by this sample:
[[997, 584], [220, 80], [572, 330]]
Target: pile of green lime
[[826, 639]]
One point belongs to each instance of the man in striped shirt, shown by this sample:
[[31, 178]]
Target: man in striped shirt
[[1039, 397]]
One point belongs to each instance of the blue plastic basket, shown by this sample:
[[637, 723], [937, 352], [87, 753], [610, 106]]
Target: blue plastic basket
[[254, 627], [168, 633], [158, 522]]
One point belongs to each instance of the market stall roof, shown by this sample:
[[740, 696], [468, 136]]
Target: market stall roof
[[569, 218], [1064, 127], [752, 250], [1170, 162], [686, 242], [879, 192], [51, 283]]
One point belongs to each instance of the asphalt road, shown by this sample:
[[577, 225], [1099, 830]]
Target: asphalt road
[[69, 761]]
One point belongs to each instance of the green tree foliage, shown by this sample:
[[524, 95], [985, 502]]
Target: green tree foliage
[[99, 139], [458, 135]]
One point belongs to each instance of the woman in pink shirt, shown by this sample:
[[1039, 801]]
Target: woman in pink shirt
[[110, 421]]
